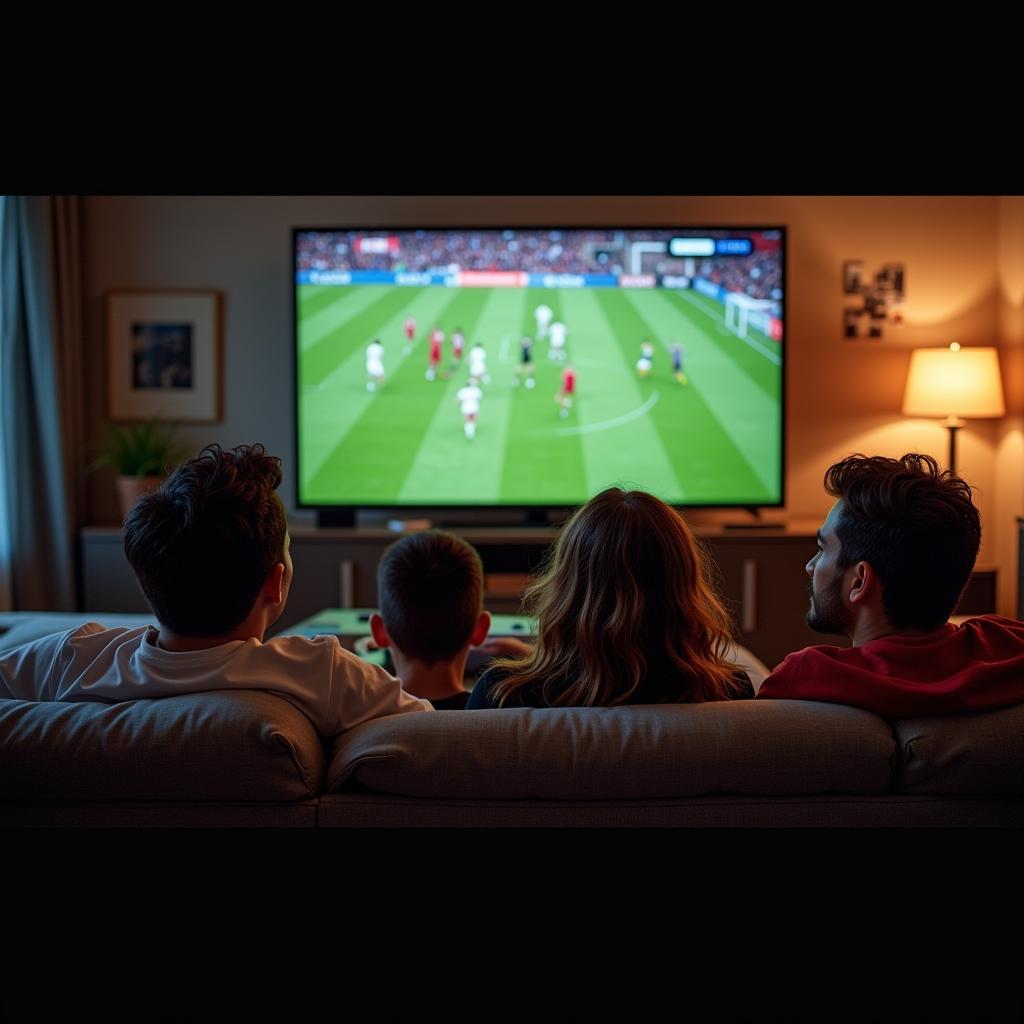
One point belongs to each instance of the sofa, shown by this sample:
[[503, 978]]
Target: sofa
[[251, 759]]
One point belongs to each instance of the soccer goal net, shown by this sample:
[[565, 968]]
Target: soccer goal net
[[741, 312]]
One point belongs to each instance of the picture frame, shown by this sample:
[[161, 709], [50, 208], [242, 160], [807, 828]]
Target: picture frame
[[853, 273], [164, 354], [880, 296]]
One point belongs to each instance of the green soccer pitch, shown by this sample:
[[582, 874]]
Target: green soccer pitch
[[716, 439]]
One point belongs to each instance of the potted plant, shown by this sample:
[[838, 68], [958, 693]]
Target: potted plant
[[141, 455]]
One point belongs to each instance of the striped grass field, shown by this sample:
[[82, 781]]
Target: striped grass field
[[714, 440]]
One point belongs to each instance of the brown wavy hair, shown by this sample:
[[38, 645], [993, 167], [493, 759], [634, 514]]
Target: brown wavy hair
[[624, 597]]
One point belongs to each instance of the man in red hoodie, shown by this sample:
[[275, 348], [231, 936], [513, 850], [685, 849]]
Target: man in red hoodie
[[894, 555]]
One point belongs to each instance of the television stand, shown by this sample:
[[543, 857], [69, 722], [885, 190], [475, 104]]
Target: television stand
[[535, 517], [757, 524], [455, 518], [336, 518]]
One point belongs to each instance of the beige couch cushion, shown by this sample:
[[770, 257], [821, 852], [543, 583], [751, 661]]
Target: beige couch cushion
[[653, 751], [977, 753], [244, 745]]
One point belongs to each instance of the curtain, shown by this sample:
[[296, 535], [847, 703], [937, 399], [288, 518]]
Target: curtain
[[40, 400], [6, 593]]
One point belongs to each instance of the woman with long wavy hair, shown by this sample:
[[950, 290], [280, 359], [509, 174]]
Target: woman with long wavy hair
[[626, 615]]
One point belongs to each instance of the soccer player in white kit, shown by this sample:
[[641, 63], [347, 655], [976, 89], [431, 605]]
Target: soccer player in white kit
[[478, 363], [458, 344], [374, 365], [468, 398], [646, 360], [543, 314], [558, 333]]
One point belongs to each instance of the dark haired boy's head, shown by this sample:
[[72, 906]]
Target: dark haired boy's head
[[430, 593], [209, 540], [914, 525]]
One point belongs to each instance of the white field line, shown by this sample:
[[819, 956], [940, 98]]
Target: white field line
[[594, 428]]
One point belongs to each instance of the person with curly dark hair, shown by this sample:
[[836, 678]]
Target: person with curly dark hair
[[894, 555], [210, 550]]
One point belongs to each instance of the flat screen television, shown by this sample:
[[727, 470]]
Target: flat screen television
[[529, 368]]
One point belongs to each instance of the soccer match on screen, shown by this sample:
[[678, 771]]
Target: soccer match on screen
[[538, 366]]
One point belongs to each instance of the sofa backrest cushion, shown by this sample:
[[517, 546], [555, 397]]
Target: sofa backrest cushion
[[17, 628], [981, 752], [641, 752], [243, 745]]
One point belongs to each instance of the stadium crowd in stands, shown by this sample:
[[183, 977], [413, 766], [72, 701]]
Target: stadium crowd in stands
[[535, 252]]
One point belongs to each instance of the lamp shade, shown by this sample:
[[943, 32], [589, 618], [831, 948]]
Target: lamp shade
[[942, 382]]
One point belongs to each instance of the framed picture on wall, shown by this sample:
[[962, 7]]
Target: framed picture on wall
[[164, 355]]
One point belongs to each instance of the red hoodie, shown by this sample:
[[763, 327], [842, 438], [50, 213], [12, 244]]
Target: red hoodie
[[978, 666]]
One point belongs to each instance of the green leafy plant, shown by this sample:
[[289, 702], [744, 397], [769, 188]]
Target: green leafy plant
[[146, 449]]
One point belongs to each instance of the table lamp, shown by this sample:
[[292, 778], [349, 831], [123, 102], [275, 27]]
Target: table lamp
[[954, 382]]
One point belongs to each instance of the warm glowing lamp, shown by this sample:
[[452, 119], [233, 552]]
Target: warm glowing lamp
[[954, 382]]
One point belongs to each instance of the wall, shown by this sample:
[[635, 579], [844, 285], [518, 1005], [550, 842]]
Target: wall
[[842, 395], [1009, 460]]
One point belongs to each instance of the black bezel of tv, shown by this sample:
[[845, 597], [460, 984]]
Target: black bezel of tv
[[343, 514]]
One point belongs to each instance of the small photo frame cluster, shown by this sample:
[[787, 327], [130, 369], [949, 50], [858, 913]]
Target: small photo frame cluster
[[164, 352], [880, 296]]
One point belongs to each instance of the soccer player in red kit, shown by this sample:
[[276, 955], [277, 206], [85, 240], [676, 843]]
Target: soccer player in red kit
[[410, 332], [564, 397], [434, 357]]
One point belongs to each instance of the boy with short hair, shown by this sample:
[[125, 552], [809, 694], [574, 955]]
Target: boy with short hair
[[430, 591]]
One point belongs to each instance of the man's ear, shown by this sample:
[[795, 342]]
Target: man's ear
[[377, 630], [479, 634], [273, 584], [863, 584]]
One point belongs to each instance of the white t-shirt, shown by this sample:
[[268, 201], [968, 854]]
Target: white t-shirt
[[375, 359], [558, 333], [332, 687], [469, 398], [477, 362], [543, 314]]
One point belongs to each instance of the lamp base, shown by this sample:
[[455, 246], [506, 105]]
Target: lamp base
[[953, 424]]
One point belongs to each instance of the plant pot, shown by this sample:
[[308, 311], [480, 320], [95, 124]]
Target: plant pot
[[131, 488]]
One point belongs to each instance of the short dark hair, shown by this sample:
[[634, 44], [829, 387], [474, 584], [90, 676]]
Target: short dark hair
[[430, 590], [915, 525], [203, 544]]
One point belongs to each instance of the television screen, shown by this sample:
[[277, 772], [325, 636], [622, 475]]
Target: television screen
[[535, 367]]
